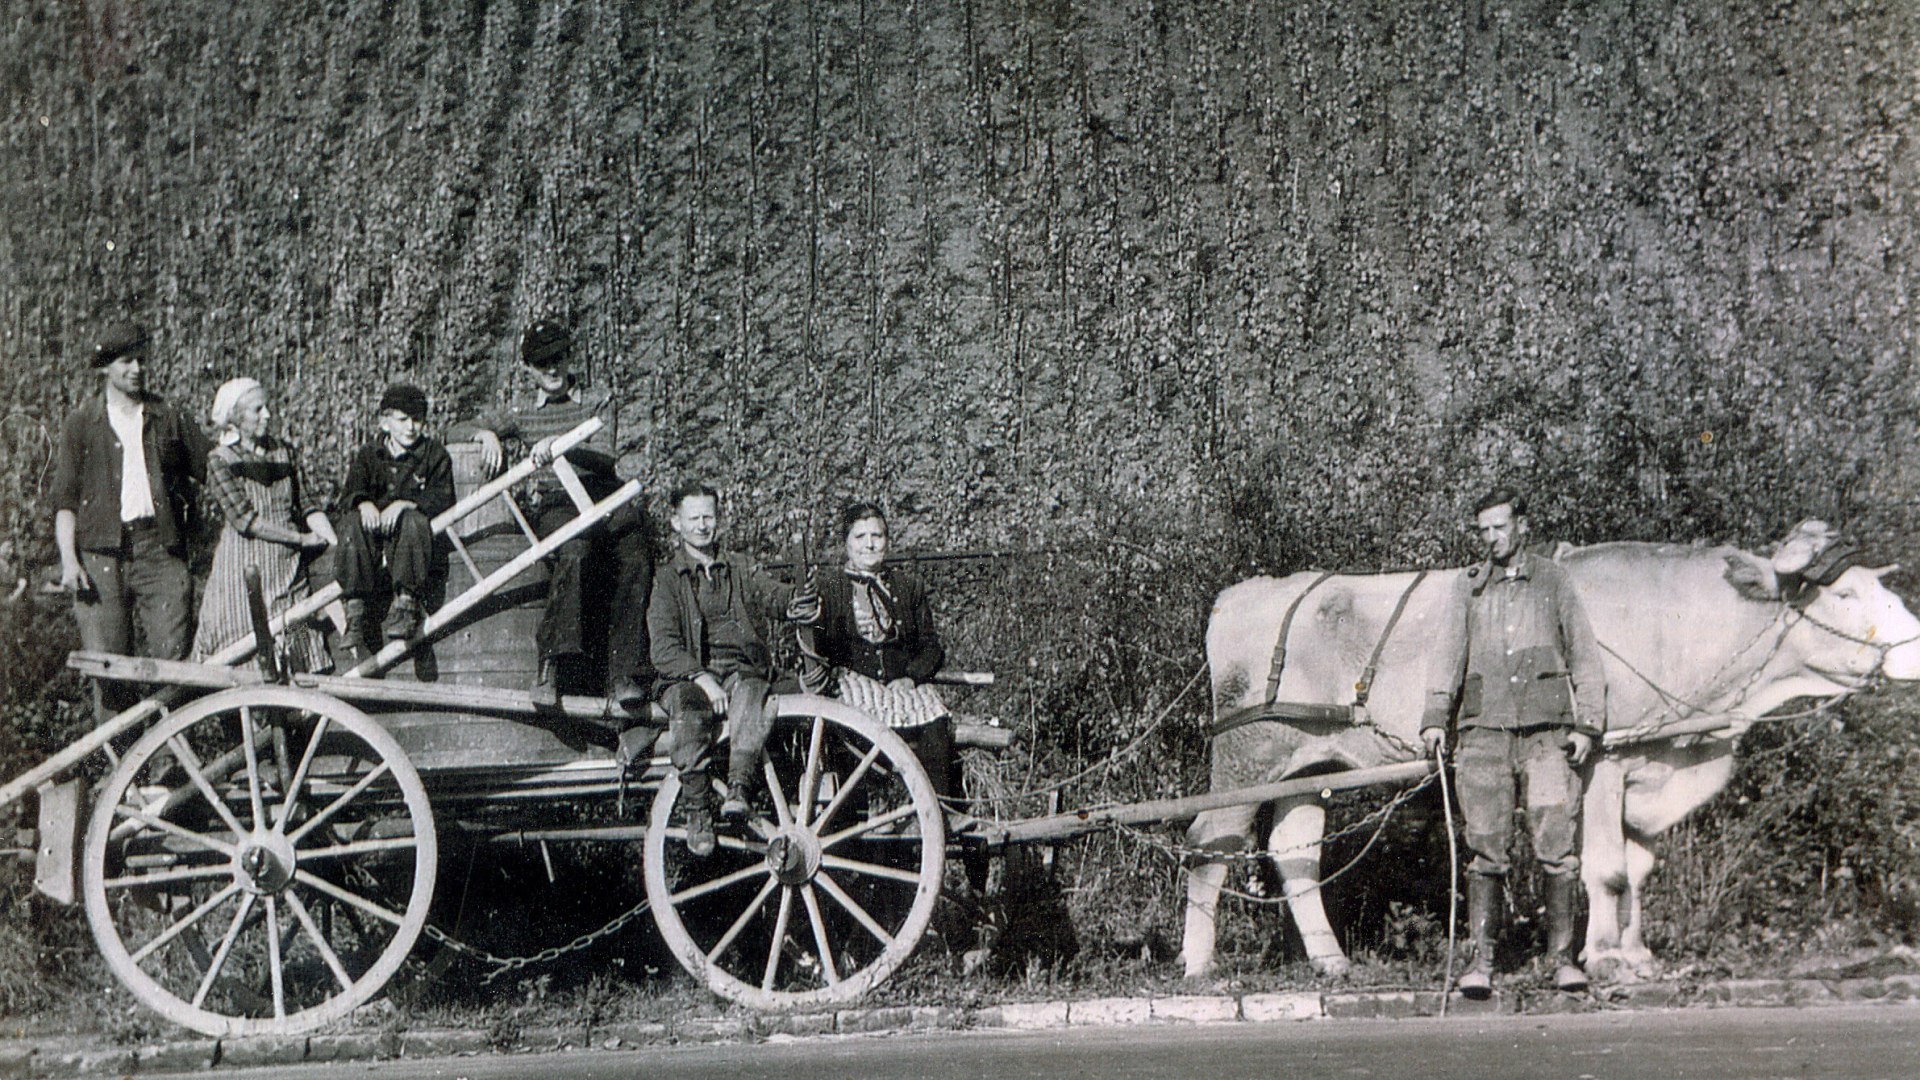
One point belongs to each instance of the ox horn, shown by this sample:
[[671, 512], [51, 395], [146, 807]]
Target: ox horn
[[1801, 546]]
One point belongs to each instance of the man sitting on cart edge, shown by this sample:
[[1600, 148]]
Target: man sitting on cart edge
[[555, 404], [705, 620]]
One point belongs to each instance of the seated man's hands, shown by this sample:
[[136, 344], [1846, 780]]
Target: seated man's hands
[[1434, 739], [715, 692], [369, 517]]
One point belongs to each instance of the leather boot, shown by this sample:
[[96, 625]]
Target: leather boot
[[697, 800], [1483, 918], [1567, 973]]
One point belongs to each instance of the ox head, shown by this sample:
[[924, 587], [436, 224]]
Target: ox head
[[1853, 626]]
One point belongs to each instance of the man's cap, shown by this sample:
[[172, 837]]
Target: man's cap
[[115, 341], [406, 398], [544, 342]]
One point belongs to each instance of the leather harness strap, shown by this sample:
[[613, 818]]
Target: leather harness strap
[[1280, 644], [1365, 686], [1282, 711]]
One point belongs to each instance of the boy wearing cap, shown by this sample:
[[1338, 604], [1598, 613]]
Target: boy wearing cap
[[395, 486], [126, 473], [555, 404]]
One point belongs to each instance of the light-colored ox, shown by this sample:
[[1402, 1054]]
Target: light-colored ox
[[1687, 632]]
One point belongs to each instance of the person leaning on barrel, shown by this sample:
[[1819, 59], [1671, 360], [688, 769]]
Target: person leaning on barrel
[[396, 485], [126, 472], [1516, 638], [556, 403], [877, 647]]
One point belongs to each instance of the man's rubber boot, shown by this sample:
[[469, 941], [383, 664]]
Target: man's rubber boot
[[1483, 914], [1567, 973], [698, 797]]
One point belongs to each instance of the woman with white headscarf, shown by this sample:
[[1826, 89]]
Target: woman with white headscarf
[[270, 525]]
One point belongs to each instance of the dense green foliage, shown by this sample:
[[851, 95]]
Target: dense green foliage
[[1174, 293]]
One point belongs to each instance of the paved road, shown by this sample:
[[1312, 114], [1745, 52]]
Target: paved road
[[1734, 1044]]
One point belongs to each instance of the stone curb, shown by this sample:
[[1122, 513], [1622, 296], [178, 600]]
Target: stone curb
[[25, 1058]]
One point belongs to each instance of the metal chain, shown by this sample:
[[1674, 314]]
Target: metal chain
[[503, 964]]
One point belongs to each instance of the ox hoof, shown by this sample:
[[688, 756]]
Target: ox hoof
[[1333, 967]]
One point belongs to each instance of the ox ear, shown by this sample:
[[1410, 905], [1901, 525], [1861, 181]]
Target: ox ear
[[1561, 550], [1883, 571], [1752, 578]]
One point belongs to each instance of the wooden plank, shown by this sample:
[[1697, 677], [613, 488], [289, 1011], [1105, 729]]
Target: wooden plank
[[1079, 823]]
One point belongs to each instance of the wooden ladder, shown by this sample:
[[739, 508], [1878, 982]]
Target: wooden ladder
[[500, 487]]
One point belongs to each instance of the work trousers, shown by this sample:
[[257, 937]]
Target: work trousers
[[141, 580], [618, 545], [1491, 767], [407, 552], [694, 725]]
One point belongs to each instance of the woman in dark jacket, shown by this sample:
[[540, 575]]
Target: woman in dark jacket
[[877, 640]]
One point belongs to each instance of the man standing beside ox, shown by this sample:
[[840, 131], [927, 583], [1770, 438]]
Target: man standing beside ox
[[1519, 659]]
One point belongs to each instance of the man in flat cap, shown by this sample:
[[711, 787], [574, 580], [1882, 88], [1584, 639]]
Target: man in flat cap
[[126, 474], [536, 415]]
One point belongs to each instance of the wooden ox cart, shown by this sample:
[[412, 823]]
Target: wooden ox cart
[[263, 857]]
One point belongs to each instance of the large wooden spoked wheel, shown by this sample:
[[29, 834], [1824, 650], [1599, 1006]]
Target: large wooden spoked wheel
[[829, 883], [259, 862]]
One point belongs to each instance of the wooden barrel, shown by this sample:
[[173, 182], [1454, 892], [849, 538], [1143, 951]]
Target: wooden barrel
[[492, 645]]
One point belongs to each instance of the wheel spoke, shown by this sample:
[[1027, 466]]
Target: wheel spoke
[[186, 922], [724, 882], [911, 877], [345, 797], [846, 789], [351, 899], [781, 809], [746, 916], [162, 877], [226, 946], [780, 924], [305, 919], [810, 777], [359, 847], [252, 748], [869, 825], [820, 934], [853, 908], [300, 774], [191, 763], [198, 840], [273, 959], [177, 795]]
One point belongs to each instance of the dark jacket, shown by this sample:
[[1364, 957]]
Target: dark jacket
[[422, 476], [914, 651], [676, 628], [1511, 646], [86, 474]]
